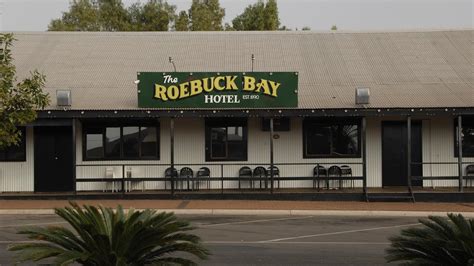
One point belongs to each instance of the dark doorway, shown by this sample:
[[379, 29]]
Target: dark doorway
[[394, 153], [53, 159]]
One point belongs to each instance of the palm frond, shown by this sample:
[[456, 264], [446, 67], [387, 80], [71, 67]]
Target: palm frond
[[439, 241], [104, 236]]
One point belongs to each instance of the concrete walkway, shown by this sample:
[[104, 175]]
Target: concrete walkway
[[248, 207]]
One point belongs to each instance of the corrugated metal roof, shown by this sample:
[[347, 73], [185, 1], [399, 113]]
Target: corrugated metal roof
[[402, 69]]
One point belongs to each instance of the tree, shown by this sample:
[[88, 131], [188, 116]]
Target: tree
[[258, 17], [272, 21], [334, 27], [18, 100], [182, 22], [83, 15], [206, 15], [155, 15], [306, 28], [112, 15], [103, 236], [440, 241]]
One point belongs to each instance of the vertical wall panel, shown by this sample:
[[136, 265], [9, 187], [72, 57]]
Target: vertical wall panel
[[19, 176], [438, 146], [374, 152]]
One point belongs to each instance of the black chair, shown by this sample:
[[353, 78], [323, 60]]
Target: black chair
[[470, 174], [245, 173], [335, 171], [320, 172], [276, 173], [204, 172], [170, 174], [185, 173], [346, 170], [261, 173]]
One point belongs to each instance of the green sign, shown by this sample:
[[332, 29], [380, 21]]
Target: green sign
[[217, 90]]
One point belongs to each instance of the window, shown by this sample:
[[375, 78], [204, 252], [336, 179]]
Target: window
[[127, 142], [15, 153], [331, 138], [226, 140], [467, 137]]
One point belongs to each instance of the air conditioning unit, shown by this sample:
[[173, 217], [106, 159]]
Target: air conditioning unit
[[362, 95], [63, 98]]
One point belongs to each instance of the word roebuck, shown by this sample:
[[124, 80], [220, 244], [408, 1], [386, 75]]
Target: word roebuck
[[218, 83]]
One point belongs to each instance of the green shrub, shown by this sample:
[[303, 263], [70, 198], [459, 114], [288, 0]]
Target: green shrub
[[439, 241], [104, 236]]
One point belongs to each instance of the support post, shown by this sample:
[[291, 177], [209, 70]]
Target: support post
[[409, 153], [172, 153], [271, 155], [459, 137], [74, 176], [364, 154]]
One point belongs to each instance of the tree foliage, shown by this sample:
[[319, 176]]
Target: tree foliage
[[158, 15], [83, 15], [18, 100], [440, 241], [182, 21], [206, 15], [155, 15], [103, 236], [258, 17], [111, 15]]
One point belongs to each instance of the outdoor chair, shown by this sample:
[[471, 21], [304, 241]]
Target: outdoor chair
[[246, 174], [170, 174], [204, 172], [470, 174], [346, 171], [130, 173], [335, 171], [110, 173], [185, 174], [261, 173], [276, 173], [320, 172]]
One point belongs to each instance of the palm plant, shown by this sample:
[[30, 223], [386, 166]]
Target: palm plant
[[102, 236], [439, 241]]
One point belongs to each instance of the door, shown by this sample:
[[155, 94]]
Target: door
[[53, 159], [394, 153]]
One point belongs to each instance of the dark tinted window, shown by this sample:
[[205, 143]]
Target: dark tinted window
[[226, 140], [112, 142], [120, 142], [149, 142], [131, 140], [94, 143], [337, 138], [467, 137], [15, 152]]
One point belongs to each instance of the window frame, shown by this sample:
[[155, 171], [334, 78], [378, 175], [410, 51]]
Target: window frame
[[215, 123], [309, 123], [465, 120], [22, 143], [121, 157]]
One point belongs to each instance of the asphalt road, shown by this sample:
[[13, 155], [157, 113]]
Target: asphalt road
[[266, 240]]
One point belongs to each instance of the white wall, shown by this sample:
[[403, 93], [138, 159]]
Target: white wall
[[438, 146], [19, 176]]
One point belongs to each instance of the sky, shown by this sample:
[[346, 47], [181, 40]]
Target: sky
[[352, 15]]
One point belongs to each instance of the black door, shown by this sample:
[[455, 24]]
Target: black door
[[394, 153], [53, 159]]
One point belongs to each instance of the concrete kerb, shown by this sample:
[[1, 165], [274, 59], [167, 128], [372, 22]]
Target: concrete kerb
[[264, 212]]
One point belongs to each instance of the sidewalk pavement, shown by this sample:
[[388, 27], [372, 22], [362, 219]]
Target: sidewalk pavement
[[251, 207]]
